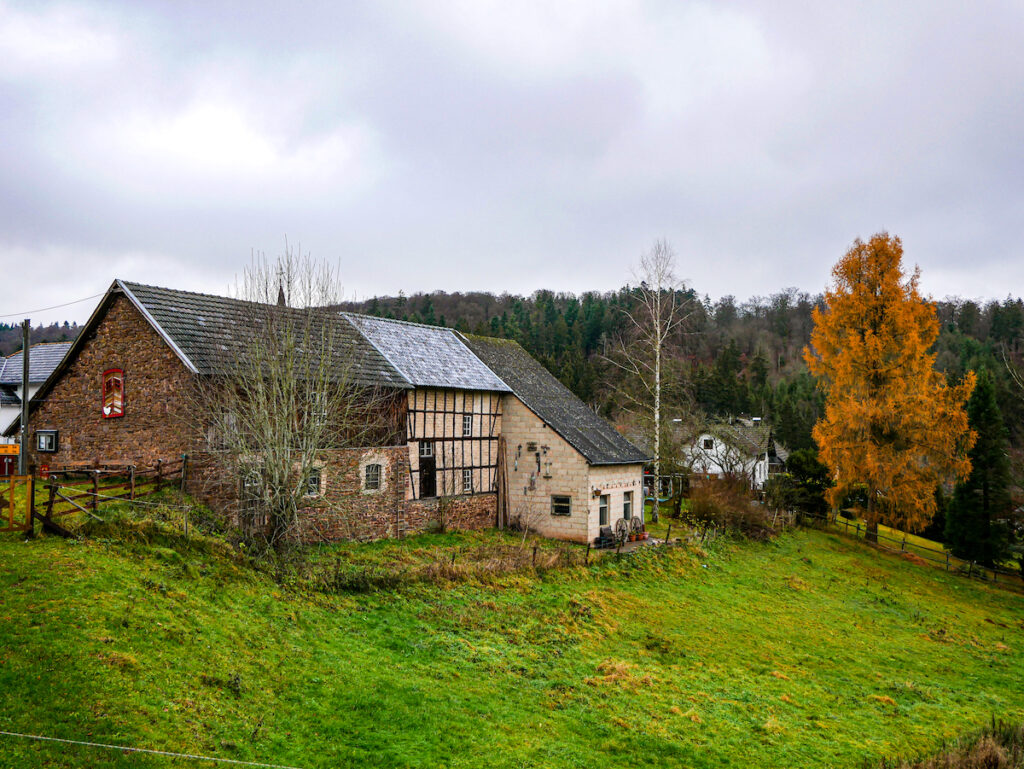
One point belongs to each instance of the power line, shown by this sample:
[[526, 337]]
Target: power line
[[55, 307], [169, 753]]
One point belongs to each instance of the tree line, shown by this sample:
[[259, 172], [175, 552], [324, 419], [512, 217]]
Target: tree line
[[730, 358]]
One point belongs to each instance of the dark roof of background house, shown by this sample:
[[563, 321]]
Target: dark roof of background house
[[745, 435], [42, 360], [549, 399], [211, 332], [427, 356], [8, 397]]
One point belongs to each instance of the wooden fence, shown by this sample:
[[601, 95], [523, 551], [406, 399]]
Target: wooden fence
[[82, 489], [17, 512], [935, 556]]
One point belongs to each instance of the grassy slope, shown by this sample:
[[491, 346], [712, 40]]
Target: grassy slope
[[810, 651]]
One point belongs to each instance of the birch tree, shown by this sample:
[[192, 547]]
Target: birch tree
[[643, 353]]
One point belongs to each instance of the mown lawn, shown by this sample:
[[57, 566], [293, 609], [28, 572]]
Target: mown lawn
[[811, 650]]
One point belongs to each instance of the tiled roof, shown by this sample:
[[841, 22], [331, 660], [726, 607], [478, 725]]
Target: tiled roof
[[427, 356], [211, 332], [42, 360], [549, 399]]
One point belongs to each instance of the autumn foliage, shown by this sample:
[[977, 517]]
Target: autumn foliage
[[893, 428]]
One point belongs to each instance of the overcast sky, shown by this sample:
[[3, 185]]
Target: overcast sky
[[506, 146]]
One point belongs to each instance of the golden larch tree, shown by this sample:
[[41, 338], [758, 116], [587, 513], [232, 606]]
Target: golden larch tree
[[893, 428]]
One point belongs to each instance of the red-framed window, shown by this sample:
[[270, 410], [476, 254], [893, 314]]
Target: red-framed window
[[113, 393]]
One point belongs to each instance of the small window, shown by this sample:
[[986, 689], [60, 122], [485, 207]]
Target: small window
[[426, 449], [467, 481], [627, 505], [709, 443], [371, 479], [467, 424], [561, 505], [602, 510], [113, 393], [46, 441], [313, 482]]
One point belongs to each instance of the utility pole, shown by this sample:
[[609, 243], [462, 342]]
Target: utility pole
[[26, 327]]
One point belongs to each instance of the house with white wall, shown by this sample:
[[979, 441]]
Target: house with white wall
[[734, 447]]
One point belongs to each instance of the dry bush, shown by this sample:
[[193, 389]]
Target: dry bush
[[725, 503], [999, 747]]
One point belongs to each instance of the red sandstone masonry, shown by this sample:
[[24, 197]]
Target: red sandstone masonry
[[157, 388]]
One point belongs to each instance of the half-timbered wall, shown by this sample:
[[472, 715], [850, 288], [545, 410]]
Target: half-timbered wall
[[453, 436]]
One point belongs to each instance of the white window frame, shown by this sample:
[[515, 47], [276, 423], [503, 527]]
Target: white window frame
[[47, 441], [308, 491], [604, 510], [366, 476], [426, 448], [467, 425], [467, 481], [627, 505]]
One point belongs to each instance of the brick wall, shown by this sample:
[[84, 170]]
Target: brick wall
[[157, 387]]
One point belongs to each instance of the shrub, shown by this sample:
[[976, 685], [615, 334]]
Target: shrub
[[726, 504]]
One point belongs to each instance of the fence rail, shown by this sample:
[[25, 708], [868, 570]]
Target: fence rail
[[81, 489], [938, 557]]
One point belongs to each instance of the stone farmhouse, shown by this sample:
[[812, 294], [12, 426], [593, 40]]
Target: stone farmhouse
[[737, 447], [476, 429]]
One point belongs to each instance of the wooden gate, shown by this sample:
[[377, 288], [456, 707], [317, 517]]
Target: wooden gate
[[16, 494]]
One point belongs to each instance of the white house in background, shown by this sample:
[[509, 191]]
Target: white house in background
[[736, 446], [42, 360]]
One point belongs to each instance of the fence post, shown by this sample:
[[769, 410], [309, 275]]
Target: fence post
[[903, 547], [970, 569], [184, 471], [857, 533], [95, 490], [586, 559], [534, 556], [131, 482], [947, 561], [668, 534], [159, 473]]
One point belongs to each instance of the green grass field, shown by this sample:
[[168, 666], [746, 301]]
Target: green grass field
[[812, 650]]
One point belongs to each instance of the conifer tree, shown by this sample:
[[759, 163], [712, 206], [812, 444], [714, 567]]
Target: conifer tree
[[892, 427], [975, 523]]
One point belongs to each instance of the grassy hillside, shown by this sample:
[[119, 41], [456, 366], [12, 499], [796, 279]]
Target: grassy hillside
[[808, 651]]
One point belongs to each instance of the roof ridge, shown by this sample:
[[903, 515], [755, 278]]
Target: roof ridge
[[396, 320], [133, 285]]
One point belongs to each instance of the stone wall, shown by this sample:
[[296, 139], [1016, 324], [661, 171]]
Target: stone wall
[[614, 481], [541, 464], [347, 510], [157, 389]]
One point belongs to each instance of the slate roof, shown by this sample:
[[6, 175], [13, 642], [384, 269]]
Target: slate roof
[[211, 332], [9, 397], [427, 356], [549, 399], [42, 360]]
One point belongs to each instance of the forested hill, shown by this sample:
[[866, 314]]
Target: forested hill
[[734, 357], [11, 335]]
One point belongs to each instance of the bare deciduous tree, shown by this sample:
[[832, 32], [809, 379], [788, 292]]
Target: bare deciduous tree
[[286, 389], [654, 325]]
